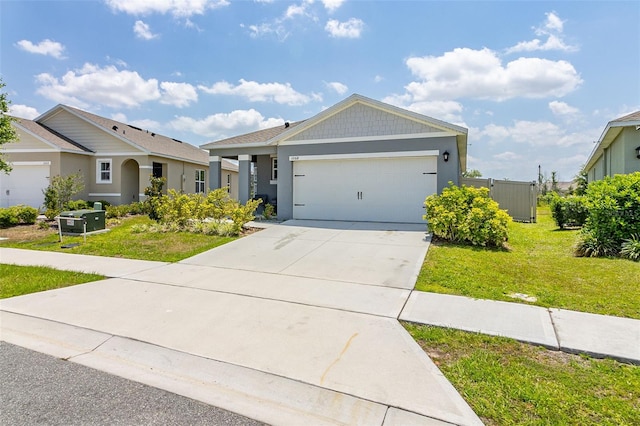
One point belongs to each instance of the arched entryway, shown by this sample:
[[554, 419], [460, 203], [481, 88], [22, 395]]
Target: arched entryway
[[130, 185]]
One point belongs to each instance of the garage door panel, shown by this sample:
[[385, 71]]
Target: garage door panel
[[24, 185], [379, 189]]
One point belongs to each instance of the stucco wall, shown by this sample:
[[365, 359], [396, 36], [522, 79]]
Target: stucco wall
[[448, 171]]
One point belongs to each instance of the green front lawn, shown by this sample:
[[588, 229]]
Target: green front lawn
[[539, 262], [508, 382], [19, 280], [121, 242]]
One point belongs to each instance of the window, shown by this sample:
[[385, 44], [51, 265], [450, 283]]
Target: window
[[274, 168], [199, 181], [103, 171], [157, 170], [229, 183]]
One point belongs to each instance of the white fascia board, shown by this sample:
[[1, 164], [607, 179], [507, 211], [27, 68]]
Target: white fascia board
[[234, 145], [105, 194], [31, 163], [371, 138], [360, 155]]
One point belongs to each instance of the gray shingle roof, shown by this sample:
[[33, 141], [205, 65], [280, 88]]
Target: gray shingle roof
[[259, 136], [634, 116], [147, 140], [51, 136]]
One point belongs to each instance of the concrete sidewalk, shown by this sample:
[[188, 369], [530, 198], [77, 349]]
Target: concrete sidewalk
[[600, 336]]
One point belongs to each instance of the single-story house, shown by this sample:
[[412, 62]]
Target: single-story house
[[359, 160], [115, 159], [618, 149]]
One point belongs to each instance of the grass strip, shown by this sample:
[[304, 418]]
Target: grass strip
[[508, 382], [18, 280]]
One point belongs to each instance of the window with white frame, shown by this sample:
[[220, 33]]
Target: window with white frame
[[274, 168], [103, 171], [199, 181]]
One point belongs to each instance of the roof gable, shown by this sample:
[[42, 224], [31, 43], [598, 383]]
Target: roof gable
[[359, 116], [39, 136], [610, 134], [132, 137]]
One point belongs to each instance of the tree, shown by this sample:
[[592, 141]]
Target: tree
[[581, 181], [7, 132], [61, 190], [554, 181], [473, 173]]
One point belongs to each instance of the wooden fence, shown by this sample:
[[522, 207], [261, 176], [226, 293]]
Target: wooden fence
[[519, 199]]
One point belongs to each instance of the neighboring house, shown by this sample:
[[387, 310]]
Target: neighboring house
[[114, 158], [359, 160], [618, 149]]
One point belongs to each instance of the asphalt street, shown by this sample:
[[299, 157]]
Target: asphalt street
[[37, 389]]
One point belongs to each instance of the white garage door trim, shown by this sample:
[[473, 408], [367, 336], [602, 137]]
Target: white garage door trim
[[357, 187], [394, 154]]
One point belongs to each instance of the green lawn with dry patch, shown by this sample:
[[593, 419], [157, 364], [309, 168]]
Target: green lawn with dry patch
[[120, 241]]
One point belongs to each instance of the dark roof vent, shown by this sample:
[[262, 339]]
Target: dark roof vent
[[179, 141], [153, 134], [114, 128], [286, 124], [134, 127]]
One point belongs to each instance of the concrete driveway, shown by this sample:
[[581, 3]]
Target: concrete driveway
[[290, 324]]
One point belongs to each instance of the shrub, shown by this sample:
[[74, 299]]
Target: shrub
[[62, 188], [51, 214], [614, 215], [8, 218], [77, 205], [26, 215], [269, 211], [569, 211], [467, 214], [153, 192], [631, 248]]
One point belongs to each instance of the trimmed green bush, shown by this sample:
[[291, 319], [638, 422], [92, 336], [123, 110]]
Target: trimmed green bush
[[569, 211], [8, 218], [26, 215], [467, 214], [614, 215], [17, 215]]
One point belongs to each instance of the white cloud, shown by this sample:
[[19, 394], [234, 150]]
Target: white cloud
[[178, 94], [278, 29], [91, 84], [222, 125], [552, 29], [143, 31], [450, 111], [253, 91], [480, 74], [332, 5], [537, 134], [563, 109], [378, 78], [178, 8], [23, 111], [45, 47], [507, 155], [349, 29], [338, 87]]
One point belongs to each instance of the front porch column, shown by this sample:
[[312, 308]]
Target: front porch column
[[244, 178], [215, 172]]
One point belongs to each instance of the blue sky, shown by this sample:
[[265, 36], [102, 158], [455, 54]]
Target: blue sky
[[534, 82]]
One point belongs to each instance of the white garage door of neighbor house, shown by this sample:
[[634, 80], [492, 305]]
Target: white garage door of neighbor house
[[364, 189], [24, 185]]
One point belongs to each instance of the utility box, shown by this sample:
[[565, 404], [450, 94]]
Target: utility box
[[73, 222]]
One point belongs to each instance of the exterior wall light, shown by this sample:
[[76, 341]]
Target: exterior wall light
[[445, 155], [638, 152]]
